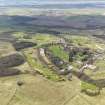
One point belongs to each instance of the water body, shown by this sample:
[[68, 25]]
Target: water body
[[54, 4]]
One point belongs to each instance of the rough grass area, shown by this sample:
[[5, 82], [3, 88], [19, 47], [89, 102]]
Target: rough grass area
[[44, 38], [99, 72], [86, 86], [86, 41], [58, 51], [5, 48], [39, 38], [37, 65], [19, 35], [100, 64], [36, 90]]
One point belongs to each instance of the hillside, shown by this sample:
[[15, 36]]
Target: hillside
[[52, 57]]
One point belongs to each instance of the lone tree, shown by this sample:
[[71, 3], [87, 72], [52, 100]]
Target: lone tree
[[20, 83]]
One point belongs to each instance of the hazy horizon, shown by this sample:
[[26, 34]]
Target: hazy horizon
[[54, 4], [34, 2]]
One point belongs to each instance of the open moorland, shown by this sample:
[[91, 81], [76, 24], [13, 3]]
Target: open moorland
[[52, 57]]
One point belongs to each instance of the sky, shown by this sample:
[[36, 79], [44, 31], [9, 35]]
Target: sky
[[41, 2]]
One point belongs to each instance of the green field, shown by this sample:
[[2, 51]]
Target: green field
[[58, 51]]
